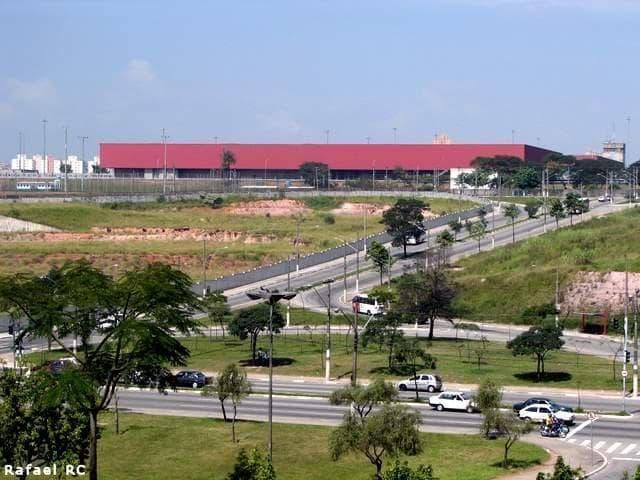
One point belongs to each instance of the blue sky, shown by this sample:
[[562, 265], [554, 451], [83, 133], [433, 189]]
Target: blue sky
[[561, 71]]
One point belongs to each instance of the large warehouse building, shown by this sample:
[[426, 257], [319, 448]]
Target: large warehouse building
[[151, 160]]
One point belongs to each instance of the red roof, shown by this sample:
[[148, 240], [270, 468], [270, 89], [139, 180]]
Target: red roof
[[291, 156]]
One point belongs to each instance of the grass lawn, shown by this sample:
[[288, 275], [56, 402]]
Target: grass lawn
[[302, 354], [159, 447], [261, 239], [499, 285]]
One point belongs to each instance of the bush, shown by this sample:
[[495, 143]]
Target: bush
[[321, 202], [329, 219], [537, 313]]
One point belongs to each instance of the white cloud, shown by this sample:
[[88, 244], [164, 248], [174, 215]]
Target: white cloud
[[279, 121], [30, 92], [139, 71]]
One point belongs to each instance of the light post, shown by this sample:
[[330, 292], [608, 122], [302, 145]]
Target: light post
[[344, 242], [44, 141], [271, 297], [164, 157], [635, 343], [204, 266], [66, 159], [327, 369]]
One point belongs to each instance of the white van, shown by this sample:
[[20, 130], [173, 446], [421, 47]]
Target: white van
[[365, 304]]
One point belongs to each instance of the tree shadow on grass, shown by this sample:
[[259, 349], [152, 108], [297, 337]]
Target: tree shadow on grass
[[548, 377], [277, 362], [516, 464]]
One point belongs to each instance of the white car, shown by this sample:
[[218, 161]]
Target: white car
[[453, 401], [424, 381], [538, 412]]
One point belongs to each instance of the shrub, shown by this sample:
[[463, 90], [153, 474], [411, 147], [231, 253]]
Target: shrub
[[329, 219]]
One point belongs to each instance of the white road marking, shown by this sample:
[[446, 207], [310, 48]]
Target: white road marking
[[572, 440], [613, 447], [628, 448], [599, 445], [297, 381], [629, 459], [570, 394], [585, 443], [578, 428]]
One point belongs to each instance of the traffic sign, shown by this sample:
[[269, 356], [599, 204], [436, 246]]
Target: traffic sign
[[624, 374]]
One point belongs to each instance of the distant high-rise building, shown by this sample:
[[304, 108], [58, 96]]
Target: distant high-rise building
[[614, 151]]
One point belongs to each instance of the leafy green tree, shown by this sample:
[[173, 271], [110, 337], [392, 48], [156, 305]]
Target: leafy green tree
[[35, 429], [503, 166], [227, 161], [362, 399], [488, 399], [217, 308], [526, 178], [312, 172], [532, 208], [478, 178], [510, 427], [409, 352], [391, 431], [380, 257], [539, 340], [562, 471], [232, 383], [512, 212], [445, 239], [253, 467], [248, 323], [573, 205], [557, 210], [456, 227], [478, 231], [138, 316], [385, 332], [402, 221], [402, 471], [65, 168]]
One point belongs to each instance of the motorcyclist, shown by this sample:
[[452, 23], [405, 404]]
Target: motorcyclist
[[549, 420]]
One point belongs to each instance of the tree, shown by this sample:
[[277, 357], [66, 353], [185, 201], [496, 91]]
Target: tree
[[248, 323], [36, 430], [315, 174], [503, 166], [445, 239], [477, 178], [232, 383], [409, 352], [95, 169], [254, 467], [380, 257], [362, 399], [393, 430], [478, 231], [488, 399], [512, 212], [65, 168], [403, 220], [385, 332], [511, 428], [217, 308], [227, 161], [557, 211], [455, 226], [573, 205], [402, 471], [532, 208], [562, 471], [526, 178], [539, 340], [138, 315]]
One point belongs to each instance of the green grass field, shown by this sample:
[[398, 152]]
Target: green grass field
[[155, 447], [499, 285], [302, 354], [261, 239]]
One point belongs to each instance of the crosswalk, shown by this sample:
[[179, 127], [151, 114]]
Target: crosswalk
[[622, 451]]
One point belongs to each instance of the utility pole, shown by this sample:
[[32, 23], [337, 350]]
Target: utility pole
[[364, 239], [66, 159], [164, 157], [626, 326], [493, 226], [635, 343], [327, 369], [44, 142], [545, 193], [557, 293], [327, 134], [395, 135], [204, 267]]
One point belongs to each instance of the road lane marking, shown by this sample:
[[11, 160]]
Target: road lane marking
[[628, 448], [628, 459], [578, 428], [585, 443], [613, 447], [572, 440], [599, 445]]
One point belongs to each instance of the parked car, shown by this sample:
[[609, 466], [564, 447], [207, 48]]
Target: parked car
[[453, 401], [538, 412], [425, 382], [604, 198], [190, 378], [530, 401]]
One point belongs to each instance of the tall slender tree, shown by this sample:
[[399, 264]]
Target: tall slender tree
[[512, 212]]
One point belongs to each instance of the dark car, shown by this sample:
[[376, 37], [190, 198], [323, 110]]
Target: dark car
[[190, 378], [530, 401]]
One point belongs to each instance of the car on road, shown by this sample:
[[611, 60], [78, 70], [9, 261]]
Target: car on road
[[453, 401], [530, 401], [190, 378], [424, 381], [538, 412], [604, 198]]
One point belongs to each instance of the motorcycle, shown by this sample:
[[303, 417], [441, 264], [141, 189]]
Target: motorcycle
[[557, 430]]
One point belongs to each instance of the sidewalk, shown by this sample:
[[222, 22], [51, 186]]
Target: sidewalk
[[574, 455]]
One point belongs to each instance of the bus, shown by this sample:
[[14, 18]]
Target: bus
[[365, 304]]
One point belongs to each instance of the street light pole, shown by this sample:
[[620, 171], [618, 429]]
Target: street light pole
[[635, 343], [327, 369], [66, 159], [164, 156], [204, 267], [44, 142], [272, 297]]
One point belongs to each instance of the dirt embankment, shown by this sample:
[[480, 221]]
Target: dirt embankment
[[598, 292], [276, 208]]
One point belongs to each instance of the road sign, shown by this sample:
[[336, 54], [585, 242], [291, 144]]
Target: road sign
[[624, 374]]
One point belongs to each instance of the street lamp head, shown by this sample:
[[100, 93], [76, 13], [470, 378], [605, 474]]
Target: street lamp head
[[270, 296]]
